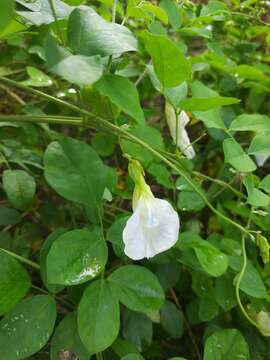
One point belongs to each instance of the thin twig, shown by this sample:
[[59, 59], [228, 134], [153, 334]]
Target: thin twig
[[178, 304]]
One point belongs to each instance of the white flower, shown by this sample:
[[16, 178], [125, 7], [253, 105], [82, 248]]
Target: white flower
[[261, 159], [179, 133], [154, 225], [263, 320]]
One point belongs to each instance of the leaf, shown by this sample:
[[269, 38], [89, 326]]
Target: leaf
[[46, 246], [123, 93], [265, 184], [62, 63], [41, 11], [226, 344], [66, 338], [203, 104], [225, 292], [236, 156], [173, 13], [260, 145], [250, 72], [251, 283], [98, 317], [147, 11], [208, 308], [9, 216], [170, 65], [173, 95], [172, 320], [124, 348], [137, 288], [89, 34], [212, 260], [211, 118], [255, 196], [14, 282], [37, 78], [149, 135], [138, 329], [7, 12], [85, 259], [19, 186], [251, 122], [115, 235], [27, 328], [132, 357], [75, 171]]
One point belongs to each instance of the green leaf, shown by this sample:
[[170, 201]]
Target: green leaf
[[124, 348], [9, 216], [137, 288], [20, 187], [189, 201], [132, 357], [37, 78], [104, 144], [98, 317], [115, 235], [46, 246], [251, 122], [85, 259], [203, 104], [260, 145], [265, 184], [14, 282], [173, 12], [66, 338], [225, 292], [172, 320], [250, 73], [123, 93], [226, 344], [75, 171], [255, 196], [173, 95], [27, 328], [138, 329], [171, 66], [236, 156], [62, 63], [7, 12], [149, 135], [41, 11], [89, 34], [210, 118], [212, 260], [251, 283], [208, 308]]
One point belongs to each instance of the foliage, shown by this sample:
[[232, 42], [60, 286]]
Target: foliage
[[84, 87]]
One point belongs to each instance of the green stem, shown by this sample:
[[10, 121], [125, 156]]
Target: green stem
[[61, 37], [114, 11], [21, 259], [237, 289], [97, 120], [43, 119]]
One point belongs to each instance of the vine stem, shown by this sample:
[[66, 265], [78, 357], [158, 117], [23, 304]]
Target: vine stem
[[240, 278], [178, 304], [121, 131], [61, 37], [21, 259]]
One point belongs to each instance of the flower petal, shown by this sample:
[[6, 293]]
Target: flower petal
[[182, 137], [261, 159], [153, 228]]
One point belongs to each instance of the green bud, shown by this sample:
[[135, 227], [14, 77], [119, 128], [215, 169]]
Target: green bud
[[264, 247]]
